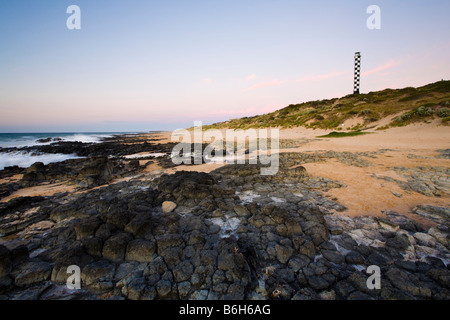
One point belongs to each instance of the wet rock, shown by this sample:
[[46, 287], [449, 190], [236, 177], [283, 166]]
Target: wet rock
[[305, 294], [318, 232], [333, 256], [441, 235], [115, 247], [327, 295], [357, 295], [226, 262], [163, 288], [409, 266], [134, 289], [183, 271], [297, 263], [308, 249], [86, 227], [406, 283], [32, 272], [439, 214], [32, 293], [388, 225], [98, 276], [441, 276], [425, 239], [318, 283], [402, 221], [344, 288], [140, 226], [199, 295], [172, 256], [117, 217], [354, 257], [184, 289], [400, 242], [283, 253], [165, 241], [34, 175], [241, 210], [105, 231], [140, 250], [337, 224], [5, 261]]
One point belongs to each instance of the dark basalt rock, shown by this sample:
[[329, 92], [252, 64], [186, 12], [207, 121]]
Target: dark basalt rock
[[234, 234]]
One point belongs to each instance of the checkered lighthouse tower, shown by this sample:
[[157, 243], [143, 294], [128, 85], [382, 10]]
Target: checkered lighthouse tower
[[357, 72]]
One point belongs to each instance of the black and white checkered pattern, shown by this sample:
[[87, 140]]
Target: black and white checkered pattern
[[357, 72]]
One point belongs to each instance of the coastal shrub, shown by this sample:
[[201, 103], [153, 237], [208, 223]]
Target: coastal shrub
[[403, 118], [439, 86], [336, 134], [331, 123], [424, 111], [352, 112], [371, 119], [383, 127], [443, 112], [365, 112], [446, 120], [319, 117]]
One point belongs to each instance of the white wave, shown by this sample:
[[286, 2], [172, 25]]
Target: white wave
[[24, 141], [144, 155], [25, 159], [86, 138], [30, 140]]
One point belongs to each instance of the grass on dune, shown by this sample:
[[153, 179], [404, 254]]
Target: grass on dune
[[335, 134], [420, 104]]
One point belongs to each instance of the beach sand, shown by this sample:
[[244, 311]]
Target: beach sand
[[365, 194]]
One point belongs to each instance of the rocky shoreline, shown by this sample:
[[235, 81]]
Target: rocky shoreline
[[227, 234]]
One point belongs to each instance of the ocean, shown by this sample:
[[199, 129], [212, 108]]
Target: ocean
[[25, 159]]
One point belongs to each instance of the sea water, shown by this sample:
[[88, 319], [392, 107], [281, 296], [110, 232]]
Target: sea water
[[24, 159]]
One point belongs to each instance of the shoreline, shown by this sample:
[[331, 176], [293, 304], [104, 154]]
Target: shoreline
[[335, 204], [425, 151]]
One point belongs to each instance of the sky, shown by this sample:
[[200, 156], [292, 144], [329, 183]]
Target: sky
[[143, 65]]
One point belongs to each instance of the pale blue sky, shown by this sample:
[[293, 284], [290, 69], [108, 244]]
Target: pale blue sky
[[151, 65]]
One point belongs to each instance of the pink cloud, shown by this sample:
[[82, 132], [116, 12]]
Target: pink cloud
[[323, 76], [251, 77], [207, 80], [263, 85], [388, 65]]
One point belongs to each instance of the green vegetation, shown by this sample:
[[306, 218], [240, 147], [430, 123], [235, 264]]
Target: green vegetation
[[422, 113], [414, 104], [335, 134], [443, 112], [446, 121]]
